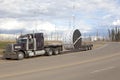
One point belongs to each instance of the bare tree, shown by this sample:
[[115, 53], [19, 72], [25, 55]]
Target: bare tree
[[114, 34]]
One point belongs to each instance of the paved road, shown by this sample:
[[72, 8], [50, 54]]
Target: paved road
[[98, 64]]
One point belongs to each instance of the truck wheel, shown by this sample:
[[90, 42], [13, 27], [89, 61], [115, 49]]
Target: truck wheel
[[20, 55], [86, 48], [7, 58], [49, 51], [55, 51], [90, 47]]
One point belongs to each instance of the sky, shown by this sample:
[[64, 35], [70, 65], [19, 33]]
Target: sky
[[89, 16]]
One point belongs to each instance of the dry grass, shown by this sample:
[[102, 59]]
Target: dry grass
[[98, 44]]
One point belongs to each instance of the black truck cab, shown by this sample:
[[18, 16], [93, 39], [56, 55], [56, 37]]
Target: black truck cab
[[30, 45]]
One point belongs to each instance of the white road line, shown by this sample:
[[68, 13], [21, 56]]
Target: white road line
[[104, 69]]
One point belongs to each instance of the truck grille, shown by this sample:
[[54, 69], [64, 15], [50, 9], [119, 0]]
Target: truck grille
[[9, 48]]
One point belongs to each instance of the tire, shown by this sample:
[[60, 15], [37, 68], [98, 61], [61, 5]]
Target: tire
[[59, 51], [90, 47], [86, 48], [20, 55], [7, 58], [49, 52], [56, 51]]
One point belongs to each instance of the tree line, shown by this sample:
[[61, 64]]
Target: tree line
[[114, 34]]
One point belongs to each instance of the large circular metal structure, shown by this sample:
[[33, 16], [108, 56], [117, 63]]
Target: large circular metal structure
[[72, 39], [77, 40]]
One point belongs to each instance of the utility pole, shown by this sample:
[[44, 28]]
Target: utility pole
[[73, 17], [97, 34], [56, 36]]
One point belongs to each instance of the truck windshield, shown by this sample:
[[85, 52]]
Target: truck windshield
[[21, 40]]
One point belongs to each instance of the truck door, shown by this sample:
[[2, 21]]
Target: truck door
[[30, 44]]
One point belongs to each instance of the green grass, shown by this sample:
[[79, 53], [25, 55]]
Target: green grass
[[3, 45]]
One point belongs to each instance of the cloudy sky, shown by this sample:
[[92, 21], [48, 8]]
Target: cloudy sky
[[89, 16]]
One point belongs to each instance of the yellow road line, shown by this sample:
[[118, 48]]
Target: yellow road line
[[58, 67]]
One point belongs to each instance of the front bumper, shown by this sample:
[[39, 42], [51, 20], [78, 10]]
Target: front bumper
[[9, 55]]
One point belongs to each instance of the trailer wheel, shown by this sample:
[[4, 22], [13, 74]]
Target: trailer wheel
[[59, 50], [90, 47], [49, 52], [20, 55], [56, 51]]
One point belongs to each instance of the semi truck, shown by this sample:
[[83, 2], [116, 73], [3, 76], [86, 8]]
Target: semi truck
[[33, 44]]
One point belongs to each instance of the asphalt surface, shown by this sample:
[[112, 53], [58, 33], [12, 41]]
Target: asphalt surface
[[99, 64]]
